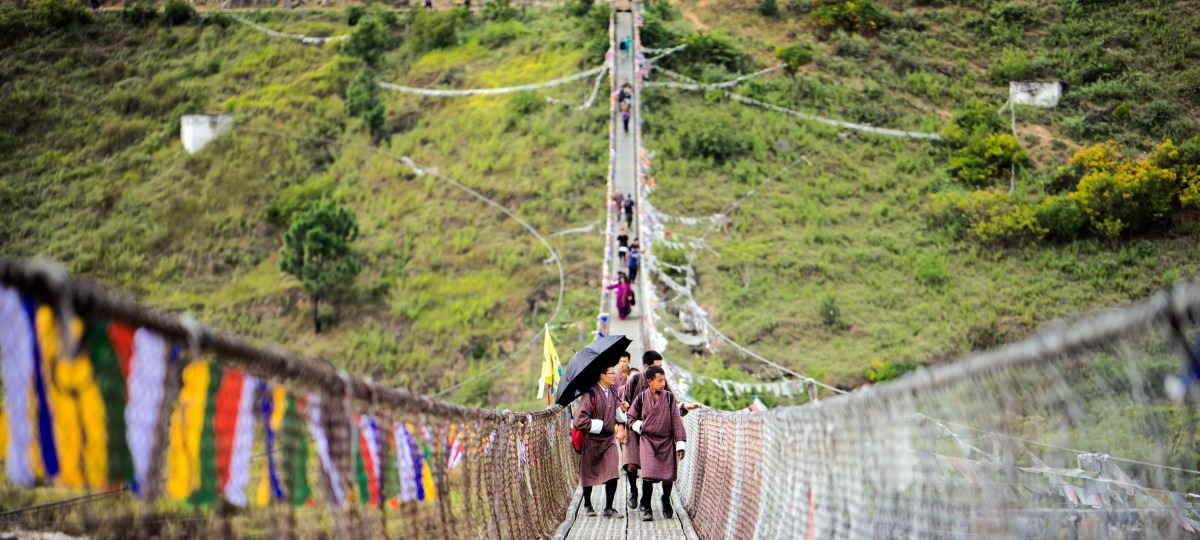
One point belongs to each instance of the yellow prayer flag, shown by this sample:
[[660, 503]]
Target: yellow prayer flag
[[551, 369]]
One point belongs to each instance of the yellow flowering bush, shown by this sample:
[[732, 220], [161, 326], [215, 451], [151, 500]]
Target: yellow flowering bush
[[989, 216]]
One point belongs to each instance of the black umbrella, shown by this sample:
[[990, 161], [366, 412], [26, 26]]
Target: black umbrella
[[585, 367]]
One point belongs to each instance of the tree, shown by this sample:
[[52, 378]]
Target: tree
[[794, 57], [316, 249], [369, 41], [362, 100]]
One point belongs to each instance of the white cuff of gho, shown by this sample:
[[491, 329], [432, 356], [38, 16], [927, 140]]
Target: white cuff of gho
[[597, 425], [679, 445], [637, 426], [622, 417]]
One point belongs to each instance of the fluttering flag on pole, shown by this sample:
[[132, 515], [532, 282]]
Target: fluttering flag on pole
[[551, 370]]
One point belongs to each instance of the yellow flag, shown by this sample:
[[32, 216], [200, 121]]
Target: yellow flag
[[77, 406], [187, 424], [551, 370]]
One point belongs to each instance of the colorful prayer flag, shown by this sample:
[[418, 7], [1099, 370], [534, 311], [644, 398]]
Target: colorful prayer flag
[[407, 464], [313, 407], [17, 356]]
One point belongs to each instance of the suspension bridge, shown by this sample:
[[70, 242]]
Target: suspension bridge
[[1081, 431]]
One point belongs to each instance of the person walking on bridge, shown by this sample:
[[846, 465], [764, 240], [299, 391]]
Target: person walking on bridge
[[656, 419], [602, 421], [624, 293], [622, 374], [637, 384]]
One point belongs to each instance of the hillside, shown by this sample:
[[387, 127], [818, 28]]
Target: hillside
[[852, 226], [841, 264], [95, 176]]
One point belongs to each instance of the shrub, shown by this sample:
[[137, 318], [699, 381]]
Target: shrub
[[1013, 65], [831, 314], [850, 45], [297, 199], [433, 29], [354, 13], [930, 270], [862, 16], [712, 48], [368, 41], [884, 370], [1120, 194], [713, 137], [526, 102], [61, 13], [989, 216], [580, 8], [177, 12], [768, 8], [1061, 216], [794, 57], [974, 122], [140, 12], [991, 158], [496, 35], [498, 11]]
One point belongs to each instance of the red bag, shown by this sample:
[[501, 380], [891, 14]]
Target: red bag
[[578, 436], [577, 440]]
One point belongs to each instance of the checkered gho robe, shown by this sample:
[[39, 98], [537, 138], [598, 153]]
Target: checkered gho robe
[[661, 429], [634, 386], [598, 462]]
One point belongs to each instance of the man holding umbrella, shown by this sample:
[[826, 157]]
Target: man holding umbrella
[[601, 420], [591, 374]]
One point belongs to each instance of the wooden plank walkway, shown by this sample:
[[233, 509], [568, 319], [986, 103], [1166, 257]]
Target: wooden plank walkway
[[629, 525]]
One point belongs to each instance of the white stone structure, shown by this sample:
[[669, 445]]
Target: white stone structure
[[1035, 93], [197, 130]]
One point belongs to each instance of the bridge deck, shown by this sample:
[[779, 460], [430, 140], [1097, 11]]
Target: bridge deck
[[630, 524]]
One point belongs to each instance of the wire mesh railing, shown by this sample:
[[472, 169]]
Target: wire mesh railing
[[1078, 432], [130, 422]]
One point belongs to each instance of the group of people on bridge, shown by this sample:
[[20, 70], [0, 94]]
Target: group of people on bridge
[[628, 256], [631, 421]]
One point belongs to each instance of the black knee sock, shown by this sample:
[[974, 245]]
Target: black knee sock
[[632, 477], [647, 490], [587, 496], [667, 490], [610, 493]]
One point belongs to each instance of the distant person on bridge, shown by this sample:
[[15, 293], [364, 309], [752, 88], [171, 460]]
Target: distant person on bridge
[[623, 47], [637, 384], [625, 115], [624, 294], [623, 245], [618, 198], [628, 205], [659, 425], [635, 259], [602, 421]]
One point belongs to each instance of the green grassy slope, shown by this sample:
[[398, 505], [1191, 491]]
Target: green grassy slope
[[849, 226], [95, 176]]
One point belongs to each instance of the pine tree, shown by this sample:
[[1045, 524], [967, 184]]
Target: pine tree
[[317, 250]]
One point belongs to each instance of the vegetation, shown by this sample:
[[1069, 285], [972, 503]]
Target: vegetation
[[317, 251], [920, 246], [95, 176]]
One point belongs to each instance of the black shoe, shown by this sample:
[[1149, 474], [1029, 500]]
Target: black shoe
[[647, 515], [611, 513], [633, 500], [668, 512], [589, 511]]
